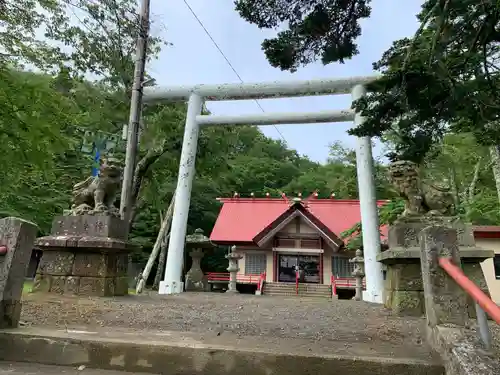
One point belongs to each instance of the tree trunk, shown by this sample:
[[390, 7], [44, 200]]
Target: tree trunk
[[165, 225], [495, 166], [454, 187], [161, 263], [141, 169], [470, 192]]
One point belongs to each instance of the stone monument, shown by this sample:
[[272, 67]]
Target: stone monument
[[233, 269], [359, 273], [87, 252], [197, 243], [425, 204], [16, 245]]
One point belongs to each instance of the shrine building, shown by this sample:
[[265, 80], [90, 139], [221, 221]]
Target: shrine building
[[274, 235]]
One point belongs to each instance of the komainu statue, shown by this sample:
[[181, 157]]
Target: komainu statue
[[97, 195], [422, 198]]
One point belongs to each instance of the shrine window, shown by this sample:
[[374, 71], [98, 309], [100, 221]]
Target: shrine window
[[341, 266], [255, 264]]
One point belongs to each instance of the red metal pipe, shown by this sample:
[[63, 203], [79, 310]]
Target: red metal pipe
[[334, 285], [3, 250], [297, 282], [490, 307]]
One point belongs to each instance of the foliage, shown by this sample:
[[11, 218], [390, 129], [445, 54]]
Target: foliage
[[324, 29], [465, 164], [338, 176], [44, 117], [81, 37], [443, 80]]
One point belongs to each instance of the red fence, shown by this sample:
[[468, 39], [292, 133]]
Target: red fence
[[346, 282], [223, 277]]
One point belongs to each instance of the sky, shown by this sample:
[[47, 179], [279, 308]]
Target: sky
[[193, 59]]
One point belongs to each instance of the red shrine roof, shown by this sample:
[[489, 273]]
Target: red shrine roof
[[242, 220]]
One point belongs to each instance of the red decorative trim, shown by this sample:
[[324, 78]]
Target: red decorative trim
[[486, 234]]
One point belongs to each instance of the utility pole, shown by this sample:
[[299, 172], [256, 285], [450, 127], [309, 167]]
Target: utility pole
[[135, 111]]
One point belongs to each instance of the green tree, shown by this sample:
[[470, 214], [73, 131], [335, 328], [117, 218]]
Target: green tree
[[430, 86], [338, 176], [317, 29]]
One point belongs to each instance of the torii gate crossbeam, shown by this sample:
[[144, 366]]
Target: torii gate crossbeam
[[197, 94]]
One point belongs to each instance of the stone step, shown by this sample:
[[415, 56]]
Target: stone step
[[17, 368], [293, 292], [292, 285], [282, 290], [207, 353], [305, 290]]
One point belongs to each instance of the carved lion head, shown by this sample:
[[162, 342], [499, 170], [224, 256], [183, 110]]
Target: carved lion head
[[111, 167]]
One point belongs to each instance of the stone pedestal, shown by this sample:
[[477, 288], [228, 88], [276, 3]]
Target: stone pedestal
[[84, 255], [233, 270], [195, 278], [403, 289]]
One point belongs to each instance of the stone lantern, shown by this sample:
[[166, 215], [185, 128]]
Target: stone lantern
[[197, 243], [233, 269], [358, 272]]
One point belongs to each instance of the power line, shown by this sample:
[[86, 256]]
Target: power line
[[226, 58]]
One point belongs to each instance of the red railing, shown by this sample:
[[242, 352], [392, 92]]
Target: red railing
[[297, 282], [334, 286], [490, 307], [224, 277], [484, 305], [262, 280], [346, 282]]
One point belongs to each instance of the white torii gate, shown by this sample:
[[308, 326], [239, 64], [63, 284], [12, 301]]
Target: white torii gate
[[197, 94]]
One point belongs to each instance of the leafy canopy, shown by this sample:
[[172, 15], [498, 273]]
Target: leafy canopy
[[443, 80], [315, 29]]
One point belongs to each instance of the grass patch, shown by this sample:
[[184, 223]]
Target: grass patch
[[28, 286]]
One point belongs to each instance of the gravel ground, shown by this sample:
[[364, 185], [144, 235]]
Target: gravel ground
[[244, 315], [495, 336]]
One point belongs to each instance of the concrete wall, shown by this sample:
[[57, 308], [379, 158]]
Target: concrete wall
[[487, 266]]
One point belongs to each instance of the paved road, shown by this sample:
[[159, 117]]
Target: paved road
[[29, 369]]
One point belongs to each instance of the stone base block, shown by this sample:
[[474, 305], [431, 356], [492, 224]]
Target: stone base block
[[81, 285], [79, 272], [89, 225], [405, 302], [405, 276], [85, 255]]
